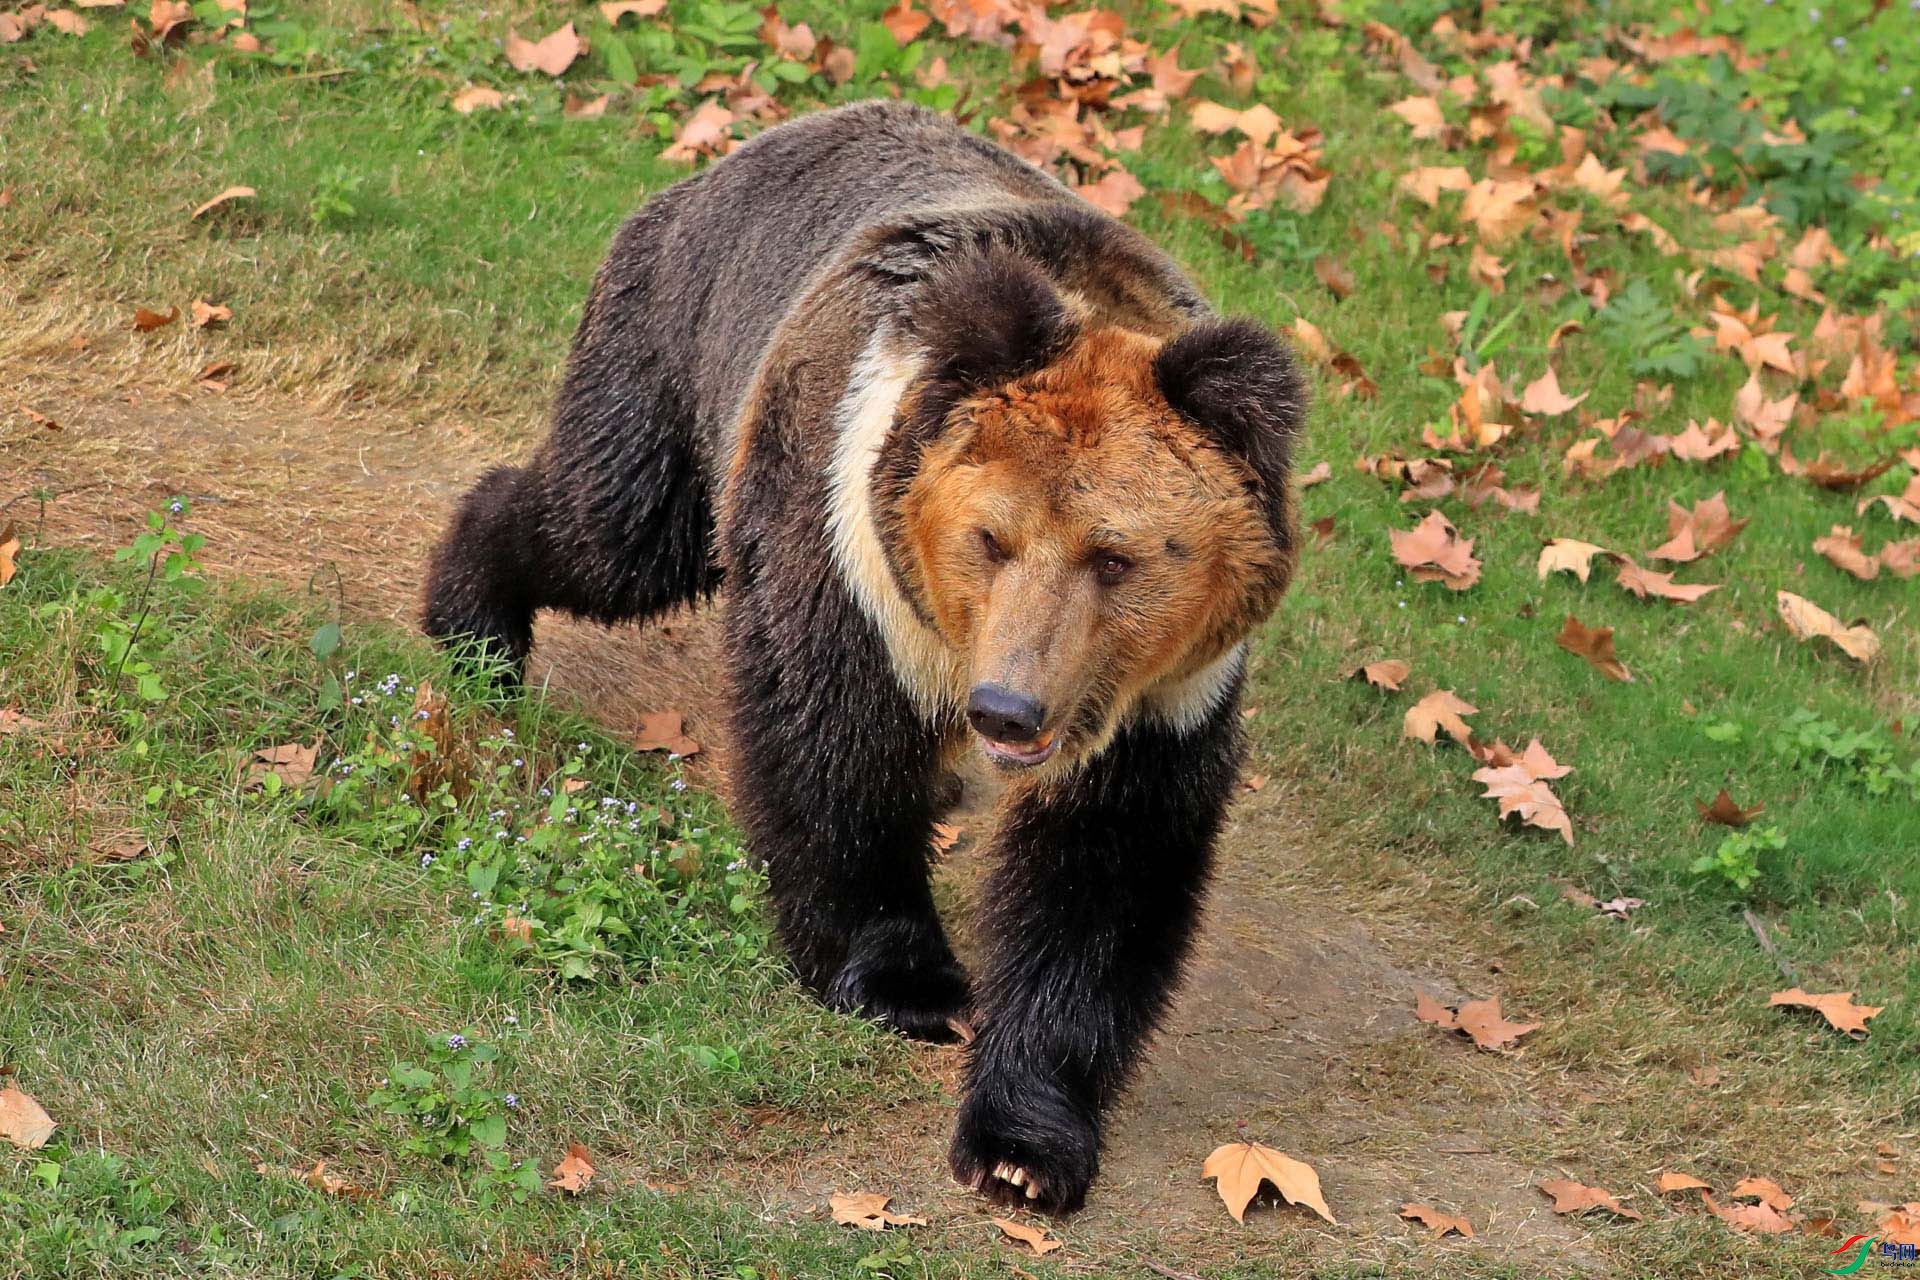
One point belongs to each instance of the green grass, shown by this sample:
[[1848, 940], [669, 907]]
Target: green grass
[[235, 997]]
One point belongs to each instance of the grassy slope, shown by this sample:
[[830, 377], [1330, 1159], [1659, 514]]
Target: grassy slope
[[453, 287]]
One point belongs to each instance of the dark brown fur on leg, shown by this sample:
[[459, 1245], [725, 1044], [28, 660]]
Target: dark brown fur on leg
[[1091, 912]]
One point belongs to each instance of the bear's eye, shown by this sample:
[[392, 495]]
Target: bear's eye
[[1110, 569], [991, 545]]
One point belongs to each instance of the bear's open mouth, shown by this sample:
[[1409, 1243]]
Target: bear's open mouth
[[1023, 755]]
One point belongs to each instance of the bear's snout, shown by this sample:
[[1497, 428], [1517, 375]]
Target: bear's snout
[[1011, 722]]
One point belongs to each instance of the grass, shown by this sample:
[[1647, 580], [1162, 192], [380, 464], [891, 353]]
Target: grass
[[273, 958]]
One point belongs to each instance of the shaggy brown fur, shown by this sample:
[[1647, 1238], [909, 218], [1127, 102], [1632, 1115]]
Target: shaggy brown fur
[[965, 452]]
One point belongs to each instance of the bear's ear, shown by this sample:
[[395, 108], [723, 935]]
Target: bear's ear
[[1237, 383], [988, 316]]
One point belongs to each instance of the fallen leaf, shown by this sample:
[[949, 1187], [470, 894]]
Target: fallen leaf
[[1841, 546], [1568, 555], [551, 54], [1661, 586], [23, 1121], [1762, 1219], [1442, 1223], [1809, 621], [123, 847], [1114, 193], [1319, 474], [1037, 1239], [1240, 1167], [1902, 1223], [1670, 1182], [68, 21], [9, 553], [1837, 476], [1334, 273], [944, 836], [1543, 395], [477, 97], [318, 1178], [1837, 1007], [1692, 534], [1423, 114], [13, 721], [1437, 711], [577, 108], [1255, 782], [1901, 506], [574, 1171], [1386, 674], [868, 1211], [1574, 1197], [1726, 812], [1595, 644], [145, 321], [1703, 444], [1427, 182], [905, 22], [1765, 1190], [1522, 793], [664, 731], [291, 762], [702, 133], [1481, 1020], [1901, 559], [614, 10], [231, 193], [1434, 551], [207, 315]]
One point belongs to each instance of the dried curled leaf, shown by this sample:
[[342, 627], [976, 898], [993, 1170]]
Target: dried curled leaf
[[868, 1211], [1671, 1181], [1725, 811], [1385, 674], [1442, 1223], [1837, 1007], [1595, 644], [1437, 711], [664, 731], [1038, 1239], [574, 1171], [1568, 555], [1240, 1168], [1480, 1020], [231, 193], [1809, 621], [552, 54], [1433, 551], [1574, 1197], [23, 1121]]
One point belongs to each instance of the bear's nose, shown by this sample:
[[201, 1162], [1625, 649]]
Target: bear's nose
[[1003, 715]]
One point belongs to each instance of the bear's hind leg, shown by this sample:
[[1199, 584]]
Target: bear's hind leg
[[485, 581]]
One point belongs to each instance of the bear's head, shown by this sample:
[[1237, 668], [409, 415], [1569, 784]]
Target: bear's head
[[1092, 518]]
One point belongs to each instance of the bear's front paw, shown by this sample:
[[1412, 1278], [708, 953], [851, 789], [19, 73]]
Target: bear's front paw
[[919, 991], [1035, 1150]]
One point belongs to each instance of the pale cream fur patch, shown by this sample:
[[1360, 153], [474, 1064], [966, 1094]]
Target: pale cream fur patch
[[1185, 704], [933, 675]]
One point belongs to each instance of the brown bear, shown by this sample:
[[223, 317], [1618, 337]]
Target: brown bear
[[969, 462]]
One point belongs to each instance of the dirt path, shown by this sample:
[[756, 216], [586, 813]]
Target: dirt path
[[1296, 1024]]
